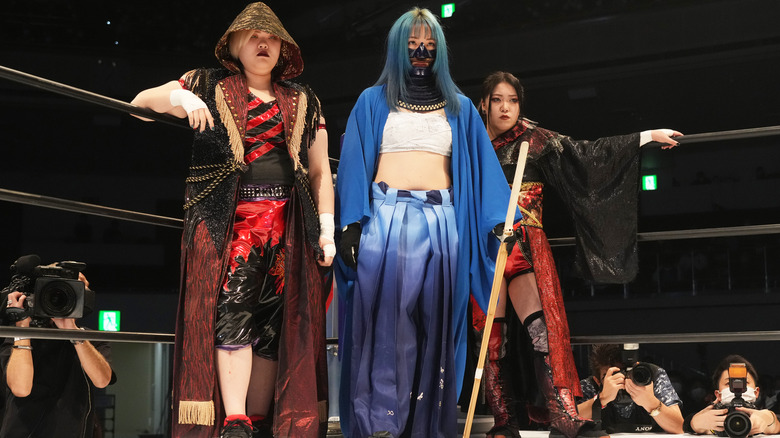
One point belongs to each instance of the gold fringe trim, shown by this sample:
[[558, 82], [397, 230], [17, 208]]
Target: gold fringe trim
[[297, 129], [196, 412], [226, 114]]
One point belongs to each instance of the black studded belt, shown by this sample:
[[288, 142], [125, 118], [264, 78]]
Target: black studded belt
[[259, 192]]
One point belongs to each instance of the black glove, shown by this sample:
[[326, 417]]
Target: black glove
[[510, 240], [350, 241]]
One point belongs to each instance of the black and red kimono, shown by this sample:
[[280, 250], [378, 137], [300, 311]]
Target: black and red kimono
[[597, 182], [300, 405]]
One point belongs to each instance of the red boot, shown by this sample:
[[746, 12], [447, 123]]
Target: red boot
[[565, 421], [498, 393]]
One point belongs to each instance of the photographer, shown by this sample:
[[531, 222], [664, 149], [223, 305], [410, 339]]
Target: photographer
[[50, 383], [710, 420], [623, 404]]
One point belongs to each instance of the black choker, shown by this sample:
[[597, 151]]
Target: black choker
[[422, 94]]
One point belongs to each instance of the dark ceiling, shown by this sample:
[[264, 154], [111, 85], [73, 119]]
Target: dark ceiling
[[322, 28], [685, 50]]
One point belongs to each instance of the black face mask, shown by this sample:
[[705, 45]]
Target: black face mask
[[422, 53]]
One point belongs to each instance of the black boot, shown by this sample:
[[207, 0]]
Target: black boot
[[498, 388], [263, 428], [565, 421], [237, 428]]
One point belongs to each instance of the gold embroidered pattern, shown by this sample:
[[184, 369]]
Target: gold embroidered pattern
[[530, 203]]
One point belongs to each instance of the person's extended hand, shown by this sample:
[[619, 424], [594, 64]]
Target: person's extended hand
[[614, 381], [665, 136], [200, 119], [197, 112], [709, 419], [642, 395]]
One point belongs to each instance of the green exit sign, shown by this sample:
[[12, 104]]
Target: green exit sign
[[447, 10], [649, 182], [108, 320]]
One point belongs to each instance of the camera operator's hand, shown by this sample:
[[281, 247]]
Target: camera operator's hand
[[709, 420], [84, 280], [613, 382], [642, 395], [760, 419], [16, 299], [65, 323], [669, 418]]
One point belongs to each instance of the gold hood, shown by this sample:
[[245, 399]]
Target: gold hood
[[259, 16]]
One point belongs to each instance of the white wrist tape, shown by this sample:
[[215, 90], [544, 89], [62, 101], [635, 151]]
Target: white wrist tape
[[646, 137], [187, 100], [329, 250], [327, 226]]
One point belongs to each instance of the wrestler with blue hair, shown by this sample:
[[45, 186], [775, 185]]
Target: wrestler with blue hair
[[419, 191]]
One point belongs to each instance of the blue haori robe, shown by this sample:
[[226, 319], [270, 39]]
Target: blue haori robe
[[404, 337]]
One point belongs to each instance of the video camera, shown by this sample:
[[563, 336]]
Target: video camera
[[53, 291], [641, 373], [737, 423]]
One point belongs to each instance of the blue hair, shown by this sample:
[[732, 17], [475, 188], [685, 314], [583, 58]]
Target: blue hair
[[398, 66]]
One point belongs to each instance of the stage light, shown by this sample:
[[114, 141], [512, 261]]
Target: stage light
[[447, 9], [649, 182], [108, 320]]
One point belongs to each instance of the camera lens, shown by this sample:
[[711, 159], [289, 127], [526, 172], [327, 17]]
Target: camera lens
[[57, 299], [737, 424], [642, 374]]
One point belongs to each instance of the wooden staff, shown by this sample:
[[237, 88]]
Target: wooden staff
[[498, 277]]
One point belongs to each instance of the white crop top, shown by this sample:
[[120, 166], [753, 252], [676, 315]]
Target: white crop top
[[427, 132]]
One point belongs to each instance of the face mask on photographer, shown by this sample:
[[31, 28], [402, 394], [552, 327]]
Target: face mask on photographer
[[750, 395]]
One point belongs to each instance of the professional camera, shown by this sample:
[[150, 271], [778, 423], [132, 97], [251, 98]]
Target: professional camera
[[641, 373], [737, 423], [53, 291]]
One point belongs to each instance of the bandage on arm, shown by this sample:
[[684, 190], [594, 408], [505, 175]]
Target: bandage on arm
[[187, 100]]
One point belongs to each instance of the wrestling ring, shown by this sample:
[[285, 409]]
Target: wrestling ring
[[580, 340]]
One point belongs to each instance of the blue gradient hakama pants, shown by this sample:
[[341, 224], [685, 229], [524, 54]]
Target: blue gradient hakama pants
[[399, 364]]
